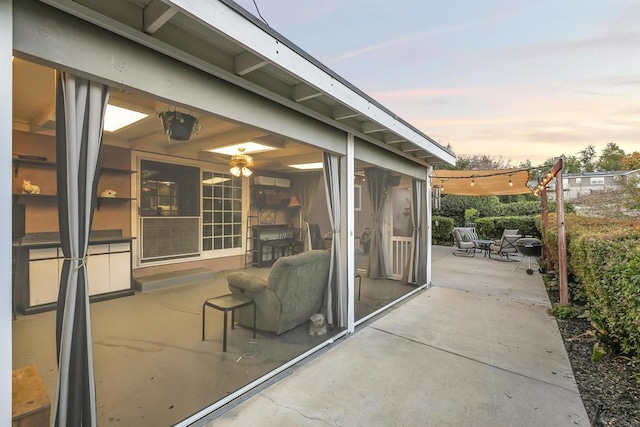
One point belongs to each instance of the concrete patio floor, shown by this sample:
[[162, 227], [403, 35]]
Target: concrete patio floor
[[477, 349]]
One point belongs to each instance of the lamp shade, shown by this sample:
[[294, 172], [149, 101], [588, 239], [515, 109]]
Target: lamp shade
[[294, 202]]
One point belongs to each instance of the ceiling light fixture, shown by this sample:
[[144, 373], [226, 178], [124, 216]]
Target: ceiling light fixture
[[240, 163], [116, 118], [306, 166], [248, 147]]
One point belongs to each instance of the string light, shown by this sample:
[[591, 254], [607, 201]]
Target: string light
[[510, 181], [473, 181]]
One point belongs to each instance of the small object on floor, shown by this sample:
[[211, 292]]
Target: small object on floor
[[318, 325]]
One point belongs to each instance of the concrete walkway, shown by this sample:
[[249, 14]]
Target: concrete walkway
[[477, 349]]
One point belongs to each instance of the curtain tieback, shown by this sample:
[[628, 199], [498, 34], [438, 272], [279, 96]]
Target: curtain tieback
[[82, 261]]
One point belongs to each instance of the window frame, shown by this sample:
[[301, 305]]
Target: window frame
[[229, 206], [357, 197]]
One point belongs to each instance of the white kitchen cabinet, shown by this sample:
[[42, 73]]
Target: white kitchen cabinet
[[44, 276], [108, 270], [120, 266], [98, 269]]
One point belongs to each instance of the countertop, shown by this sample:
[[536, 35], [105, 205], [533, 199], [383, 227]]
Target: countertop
[[48, 240]]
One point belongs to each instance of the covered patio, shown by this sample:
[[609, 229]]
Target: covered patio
[[477, 348], [490, 347]]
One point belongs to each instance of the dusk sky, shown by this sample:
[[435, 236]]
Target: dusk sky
[[521, 79]]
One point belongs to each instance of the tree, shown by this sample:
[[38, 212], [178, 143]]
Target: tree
[[481, 162], [587, 157], [570, 164], [611, 158], [630, 162], [525, 165]]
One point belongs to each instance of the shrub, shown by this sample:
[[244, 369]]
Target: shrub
[[470, 215], [441, 228], [492, 227], [522, 208], [453, 206], [564, 311], [603, 256]]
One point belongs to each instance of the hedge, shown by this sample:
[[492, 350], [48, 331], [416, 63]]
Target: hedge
[[455, 207], [441, 228], [603, 257], [492, 227]]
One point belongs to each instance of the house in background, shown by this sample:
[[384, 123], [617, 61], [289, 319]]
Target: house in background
[[244, 82], [576, 185]]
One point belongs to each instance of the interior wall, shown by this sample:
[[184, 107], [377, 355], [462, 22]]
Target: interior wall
[[362, 218], [41, 215]]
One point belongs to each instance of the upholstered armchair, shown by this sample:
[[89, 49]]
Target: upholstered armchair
[[290, 295], [463, 239]]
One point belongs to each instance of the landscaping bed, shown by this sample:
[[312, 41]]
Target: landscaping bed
[[609, 383]]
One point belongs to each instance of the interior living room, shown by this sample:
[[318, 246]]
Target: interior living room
[[180, 220]]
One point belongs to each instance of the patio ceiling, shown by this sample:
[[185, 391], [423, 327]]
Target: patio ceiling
[[224, 40]]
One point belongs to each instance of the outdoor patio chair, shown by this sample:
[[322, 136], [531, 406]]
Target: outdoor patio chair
[[505, 247], [463, 239]]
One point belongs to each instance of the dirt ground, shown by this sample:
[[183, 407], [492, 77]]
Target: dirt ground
[[609, 390]]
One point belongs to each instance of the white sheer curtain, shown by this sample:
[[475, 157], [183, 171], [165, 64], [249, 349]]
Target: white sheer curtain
[[80, 107], [378, 189], [417, 263], [336, 297]]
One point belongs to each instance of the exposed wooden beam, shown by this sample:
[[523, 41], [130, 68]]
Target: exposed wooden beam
[[371, 127], [393, 139], [303, 92], [247, 62], [341, 113], [155, 15], [408, 147], [48, 114]]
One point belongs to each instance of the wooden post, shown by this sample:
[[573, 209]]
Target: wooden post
[[545, 223], [562, 243]]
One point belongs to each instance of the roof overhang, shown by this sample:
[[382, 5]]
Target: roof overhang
[[224, 40]]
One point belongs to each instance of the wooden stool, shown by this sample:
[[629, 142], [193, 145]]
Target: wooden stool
[[30, 403]]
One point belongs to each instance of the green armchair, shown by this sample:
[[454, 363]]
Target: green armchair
[[290, 295]]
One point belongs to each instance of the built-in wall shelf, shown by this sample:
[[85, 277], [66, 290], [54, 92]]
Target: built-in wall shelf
[[26, 198], [117, 171], [31, 197], [112, 199], [39, 163], [44, 164]]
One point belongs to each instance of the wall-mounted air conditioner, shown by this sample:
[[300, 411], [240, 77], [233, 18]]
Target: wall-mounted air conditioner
[[272, 182]]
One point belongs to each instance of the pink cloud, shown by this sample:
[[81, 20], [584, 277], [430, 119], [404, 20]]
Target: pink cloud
[[428, 93]]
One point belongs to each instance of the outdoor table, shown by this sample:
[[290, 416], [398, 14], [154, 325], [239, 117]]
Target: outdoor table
[[226, 303], [483, 244]]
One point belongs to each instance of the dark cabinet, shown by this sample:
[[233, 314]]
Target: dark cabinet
[[270, 242]]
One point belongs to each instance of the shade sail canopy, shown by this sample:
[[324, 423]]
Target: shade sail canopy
[[485, 182]]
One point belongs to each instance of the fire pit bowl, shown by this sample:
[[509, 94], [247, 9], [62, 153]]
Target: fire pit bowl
[[529, 247]]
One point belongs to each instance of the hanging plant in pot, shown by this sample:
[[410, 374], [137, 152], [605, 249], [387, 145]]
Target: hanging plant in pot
[[179, 126]]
